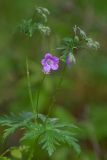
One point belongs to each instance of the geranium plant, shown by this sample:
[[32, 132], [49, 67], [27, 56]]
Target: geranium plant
[[41, 130]]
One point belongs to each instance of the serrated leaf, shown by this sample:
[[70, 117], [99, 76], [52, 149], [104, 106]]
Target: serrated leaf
[[34, 131], [49, 131], [9, 131], [13, 122], [48, 142], [66, 125], [76, 147], [56, 134]]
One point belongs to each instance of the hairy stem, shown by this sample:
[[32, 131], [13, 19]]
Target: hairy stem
[[29, 87], [38, 94]]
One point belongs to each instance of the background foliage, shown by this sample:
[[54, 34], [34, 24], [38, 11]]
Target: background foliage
[[83, 97]]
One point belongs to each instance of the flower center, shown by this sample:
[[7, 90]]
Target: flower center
[[49, 61]]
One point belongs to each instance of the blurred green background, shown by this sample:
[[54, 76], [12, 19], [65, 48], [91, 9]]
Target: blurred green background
[[83, 97]]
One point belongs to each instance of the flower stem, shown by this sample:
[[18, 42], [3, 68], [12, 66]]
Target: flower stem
[[38, 94], [31, 153], [29, 86], [58, 87]]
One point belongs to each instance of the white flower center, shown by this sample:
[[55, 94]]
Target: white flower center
[[49, 61]]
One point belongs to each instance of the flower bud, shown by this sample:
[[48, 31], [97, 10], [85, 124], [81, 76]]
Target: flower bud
[[76, 39], [70, 58]]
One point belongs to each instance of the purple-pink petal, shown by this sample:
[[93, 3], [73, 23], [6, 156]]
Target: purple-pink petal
[[68, 60], [56, 59], [49, 63], [43, 61], [48, 55], [54, 66], [46, 69]]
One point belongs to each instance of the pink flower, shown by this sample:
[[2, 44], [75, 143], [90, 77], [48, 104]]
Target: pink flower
[[49, 63]]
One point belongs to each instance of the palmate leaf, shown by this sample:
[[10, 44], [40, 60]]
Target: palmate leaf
[[13, 122], [68, 138], [33, 132], [50, 133], [45, 137], [49, 141], [57, 134], [9, 131]]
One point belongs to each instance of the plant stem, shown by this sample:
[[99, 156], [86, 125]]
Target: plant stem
[[5, 152], [29, 87], [92, 134], [30, 155], [94, 141], [38, 94], [58, 87]]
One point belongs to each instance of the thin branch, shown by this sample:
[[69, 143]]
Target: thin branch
[[29, 87], [38, 94]]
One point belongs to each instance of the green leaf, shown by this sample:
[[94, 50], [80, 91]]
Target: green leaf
[[48, 132], [76, 147], [56, 134], [48, 141], [16, 153], [34, 131], [13, 122]]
